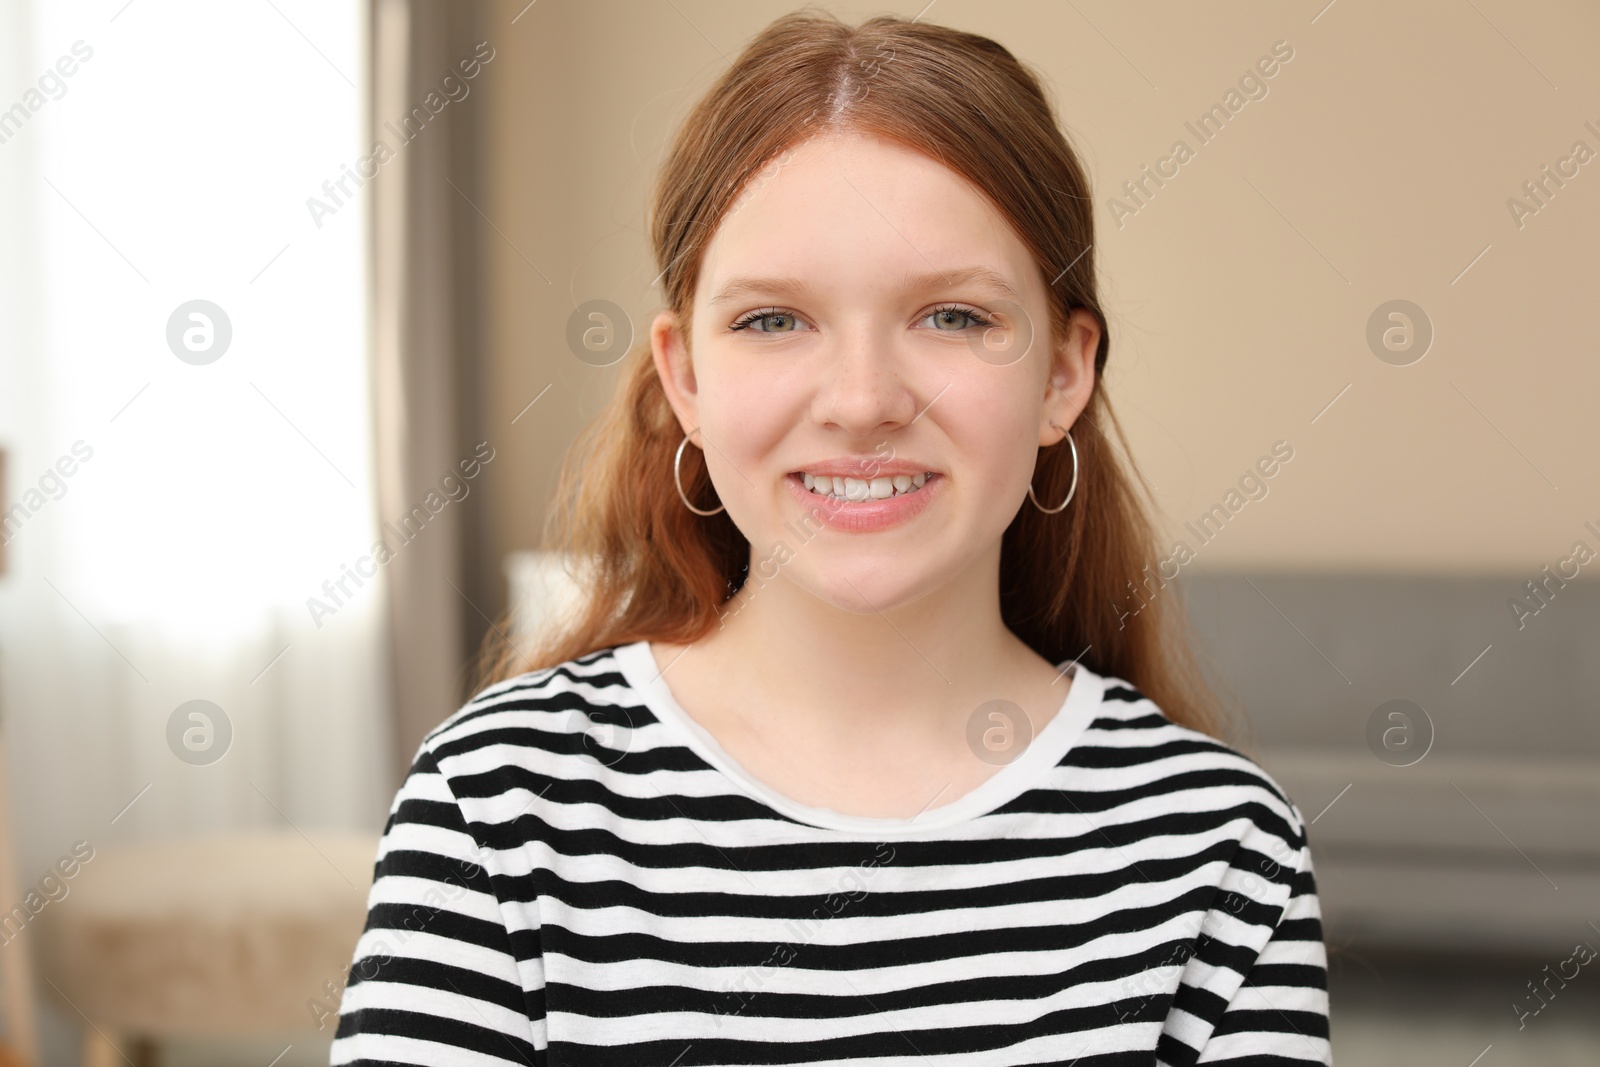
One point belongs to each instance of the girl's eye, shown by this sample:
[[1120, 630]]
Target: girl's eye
[[769, 320], [953, 318]]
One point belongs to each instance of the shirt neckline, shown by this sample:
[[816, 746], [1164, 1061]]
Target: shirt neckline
[[1028, 770]]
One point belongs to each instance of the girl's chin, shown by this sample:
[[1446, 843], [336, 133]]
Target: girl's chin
[[864, 587]]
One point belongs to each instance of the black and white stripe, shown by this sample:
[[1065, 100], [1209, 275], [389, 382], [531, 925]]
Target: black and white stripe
[[571, 876]]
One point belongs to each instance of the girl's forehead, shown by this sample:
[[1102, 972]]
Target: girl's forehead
[[853, 210], [877, 170]]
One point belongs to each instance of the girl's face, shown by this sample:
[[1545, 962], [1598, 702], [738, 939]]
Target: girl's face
[[872, 372]]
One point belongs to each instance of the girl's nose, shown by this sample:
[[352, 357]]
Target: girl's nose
[[865, 390]]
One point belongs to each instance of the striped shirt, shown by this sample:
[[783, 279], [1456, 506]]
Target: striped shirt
[[574, 872]]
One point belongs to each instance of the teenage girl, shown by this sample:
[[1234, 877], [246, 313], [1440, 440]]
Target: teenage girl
[[861, 747]]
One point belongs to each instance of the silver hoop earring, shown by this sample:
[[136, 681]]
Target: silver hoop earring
[[677, 478], [1071, 489]]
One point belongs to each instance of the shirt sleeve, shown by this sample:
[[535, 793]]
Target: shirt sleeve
[[434, 979], [1279, 1014]]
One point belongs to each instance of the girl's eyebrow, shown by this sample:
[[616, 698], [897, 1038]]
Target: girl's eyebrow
[[788, 286]]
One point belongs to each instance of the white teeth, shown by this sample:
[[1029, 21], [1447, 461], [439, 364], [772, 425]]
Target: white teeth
[[861, 489]]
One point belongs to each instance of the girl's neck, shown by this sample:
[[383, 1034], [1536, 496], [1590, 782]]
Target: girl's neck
[[918, 666], [868, 713]]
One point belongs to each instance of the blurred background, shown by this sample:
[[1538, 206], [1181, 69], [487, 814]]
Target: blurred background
[[282, 278]]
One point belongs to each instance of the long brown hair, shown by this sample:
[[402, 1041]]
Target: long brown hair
[[1081, 583]]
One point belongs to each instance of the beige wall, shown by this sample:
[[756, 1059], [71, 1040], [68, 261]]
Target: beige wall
[[1378, 166]]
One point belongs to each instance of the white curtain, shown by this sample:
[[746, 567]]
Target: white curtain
[[164, 153]]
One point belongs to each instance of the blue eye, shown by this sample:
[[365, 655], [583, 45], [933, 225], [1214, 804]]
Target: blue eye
[[765, 316], [971, 315]]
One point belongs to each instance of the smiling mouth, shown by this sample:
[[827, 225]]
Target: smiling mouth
[[858, 490]]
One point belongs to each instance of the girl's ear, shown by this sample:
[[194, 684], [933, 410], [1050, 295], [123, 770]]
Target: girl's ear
[[1071, 380], [673, 367]]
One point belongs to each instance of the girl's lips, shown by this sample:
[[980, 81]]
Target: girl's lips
[[865, 516]]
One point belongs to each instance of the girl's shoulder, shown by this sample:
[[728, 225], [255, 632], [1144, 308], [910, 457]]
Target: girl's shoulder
[[569, 697], [1132, 738]]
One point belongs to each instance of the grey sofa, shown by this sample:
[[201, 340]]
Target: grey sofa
[[1484, 837]]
